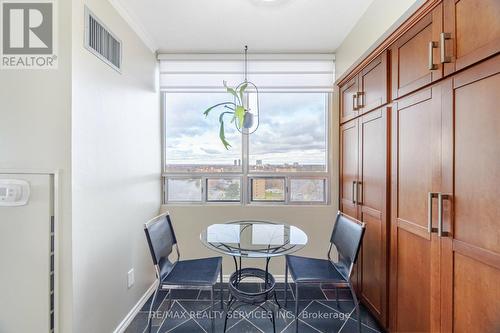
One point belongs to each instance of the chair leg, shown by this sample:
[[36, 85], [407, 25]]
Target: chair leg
[[356, 304], [212, 309], [221, 290], [228, 308], [274, 319], [150, 320], [286, 282], [296, 307], [169, 299]]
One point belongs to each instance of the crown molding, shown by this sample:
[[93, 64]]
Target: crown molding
[[135, 25]]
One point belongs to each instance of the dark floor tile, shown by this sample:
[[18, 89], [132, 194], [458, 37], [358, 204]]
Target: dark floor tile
[[323, 318], [352, 327], [244, 326], [159, 298], [189, 326], [343, 294], [367, 318], [310, 292], [205, 294], [139, 323], [303, 328], [185, 293], [173, 317]]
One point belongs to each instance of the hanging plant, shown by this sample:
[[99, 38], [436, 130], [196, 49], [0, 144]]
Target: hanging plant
[[240, 115]]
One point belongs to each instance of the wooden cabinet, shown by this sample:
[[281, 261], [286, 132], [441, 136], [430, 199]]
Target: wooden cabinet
[[366, 91], [364, 188], [372, 210], [445, 222], [372, 89], [471, 32], [441, 241], [349, 100], [349, 168], [414, 56], [414, 247], [470, 246]]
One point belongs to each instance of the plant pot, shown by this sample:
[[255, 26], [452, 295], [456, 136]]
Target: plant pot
[[248, 120]]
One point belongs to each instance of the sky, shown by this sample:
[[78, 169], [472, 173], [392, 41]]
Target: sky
[[292, 129]]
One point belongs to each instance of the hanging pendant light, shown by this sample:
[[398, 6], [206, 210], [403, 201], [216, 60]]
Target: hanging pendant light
[[250, 101]]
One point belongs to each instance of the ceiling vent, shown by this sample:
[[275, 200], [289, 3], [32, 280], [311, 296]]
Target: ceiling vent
[[102, 42]]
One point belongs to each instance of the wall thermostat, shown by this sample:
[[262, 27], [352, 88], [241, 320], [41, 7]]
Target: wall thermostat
[[14, 192]]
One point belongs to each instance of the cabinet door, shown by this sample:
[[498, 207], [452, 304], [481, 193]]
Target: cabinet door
[[415, 55], [470, 299], [349, 168], [474, 32], [373, 188], [373, 84], [414, 247], [349, 100]]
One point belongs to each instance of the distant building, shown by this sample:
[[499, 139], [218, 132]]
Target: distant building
[[235, 162], [259, 162]]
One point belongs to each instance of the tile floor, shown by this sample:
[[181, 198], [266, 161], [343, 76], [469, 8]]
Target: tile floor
[[319, 313]]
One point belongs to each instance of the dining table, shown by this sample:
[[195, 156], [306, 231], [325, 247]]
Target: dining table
[[253, 239]]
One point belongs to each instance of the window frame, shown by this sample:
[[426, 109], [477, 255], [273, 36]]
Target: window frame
[[245, 174]]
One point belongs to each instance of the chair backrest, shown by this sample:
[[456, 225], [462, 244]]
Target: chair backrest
[[161, 239], [347, 236]]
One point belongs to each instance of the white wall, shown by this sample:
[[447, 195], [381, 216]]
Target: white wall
[[116, 173], [35, 125], [377, 19]]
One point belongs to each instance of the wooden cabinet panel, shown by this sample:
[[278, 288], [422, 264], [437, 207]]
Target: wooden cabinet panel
[[373, 187], [415, 249], [412, 65], [474, 28], [471, 214], [373, 84], [349, 100], [349, 168]]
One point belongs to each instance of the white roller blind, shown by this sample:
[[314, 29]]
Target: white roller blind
[[269, 72]]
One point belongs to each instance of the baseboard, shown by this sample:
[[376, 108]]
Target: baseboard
[[137, 307]]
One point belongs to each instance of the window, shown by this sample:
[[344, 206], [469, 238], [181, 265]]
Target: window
[[223, 189], [284, 162], [192, 142], [268, 189], [292, 133]]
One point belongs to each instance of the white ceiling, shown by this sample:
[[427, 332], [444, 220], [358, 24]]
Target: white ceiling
[[199, 26]]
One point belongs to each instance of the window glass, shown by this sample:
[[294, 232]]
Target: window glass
[[268, 189], [303, 190], [186, 190], [223, 189]]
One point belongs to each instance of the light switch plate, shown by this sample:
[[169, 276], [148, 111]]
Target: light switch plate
[[130, 278]]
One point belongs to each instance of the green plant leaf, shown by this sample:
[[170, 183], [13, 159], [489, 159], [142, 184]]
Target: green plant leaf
[[239, 113], [242, 91], [207, 111], [232, 92], [222, 136]]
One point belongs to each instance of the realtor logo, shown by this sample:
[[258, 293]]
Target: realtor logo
[[28, 35]]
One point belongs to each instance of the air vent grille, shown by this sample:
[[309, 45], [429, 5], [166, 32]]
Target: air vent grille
[[101, 41]]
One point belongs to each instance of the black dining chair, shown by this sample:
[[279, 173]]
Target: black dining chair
[[347, 236], [179, 274]]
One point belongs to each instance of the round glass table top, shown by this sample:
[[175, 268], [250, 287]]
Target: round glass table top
[[253, 238]]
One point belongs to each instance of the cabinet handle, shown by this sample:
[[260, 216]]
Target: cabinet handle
[[441, 197], [431, 196], [432, 46], [360, 96], [359, 193], [354, 190], [355, 102], [443, 37]]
